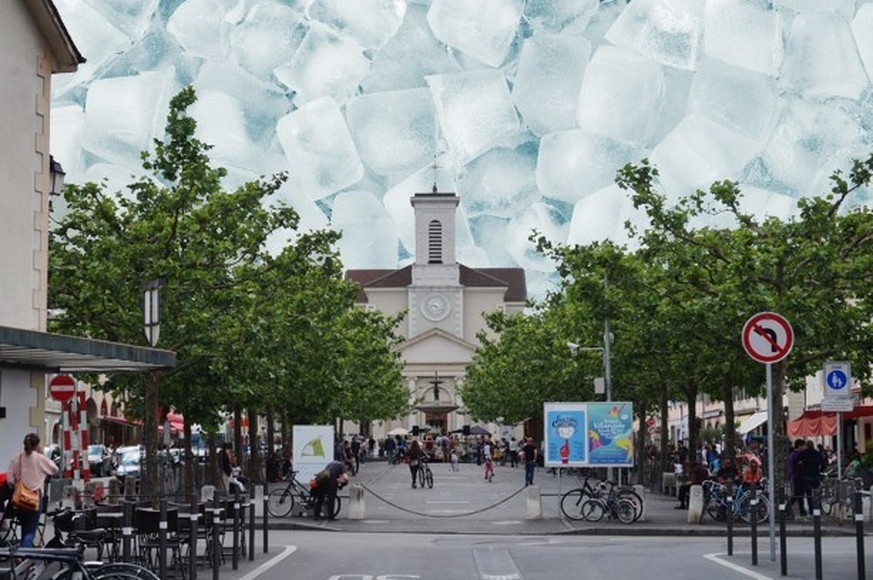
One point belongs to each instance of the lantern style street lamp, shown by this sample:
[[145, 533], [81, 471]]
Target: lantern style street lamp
[[152, 309]]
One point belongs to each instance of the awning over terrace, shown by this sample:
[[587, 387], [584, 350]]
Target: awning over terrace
[[58, 353], [815, 423]]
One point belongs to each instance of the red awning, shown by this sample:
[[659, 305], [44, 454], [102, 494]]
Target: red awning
[[815, 423]]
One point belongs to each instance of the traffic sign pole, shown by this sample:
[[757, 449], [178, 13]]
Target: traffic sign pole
[[768, 338]]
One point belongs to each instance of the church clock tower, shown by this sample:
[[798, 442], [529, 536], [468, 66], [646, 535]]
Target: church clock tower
[[436, 294]]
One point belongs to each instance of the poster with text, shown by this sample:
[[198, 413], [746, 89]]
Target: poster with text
[[566, 443], [312, 448], [610, 434]]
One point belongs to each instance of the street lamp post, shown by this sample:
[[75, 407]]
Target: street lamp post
[[152, 309]]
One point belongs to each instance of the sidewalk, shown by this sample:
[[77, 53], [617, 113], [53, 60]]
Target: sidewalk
[[464, 503]]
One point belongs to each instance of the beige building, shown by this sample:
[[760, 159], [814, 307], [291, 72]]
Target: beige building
[[444, 304], [34, 45]]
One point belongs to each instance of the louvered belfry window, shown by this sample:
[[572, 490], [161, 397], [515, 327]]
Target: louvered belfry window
[[434, 242]]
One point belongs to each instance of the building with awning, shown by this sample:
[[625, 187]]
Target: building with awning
[[752, 422], [37, 45], [817, 423]]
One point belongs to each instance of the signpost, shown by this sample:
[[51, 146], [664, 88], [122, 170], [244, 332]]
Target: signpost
[[768, 338], [838, 397]]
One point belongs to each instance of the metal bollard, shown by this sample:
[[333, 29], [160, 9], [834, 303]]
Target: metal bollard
[[730, 525], [162, 539], [816, 531], [859, 534], [266, 515], [251, 522], [126, 530], [216, 546], [753, 506], [235, 558], [783, 540], [192, 538]]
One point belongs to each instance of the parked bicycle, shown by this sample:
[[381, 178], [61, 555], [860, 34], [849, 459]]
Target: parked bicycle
[[717, 506], [281, 501], [573, 501], [64, 564]]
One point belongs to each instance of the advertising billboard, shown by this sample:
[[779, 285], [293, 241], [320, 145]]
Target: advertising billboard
[[589, 434], [312, 448]]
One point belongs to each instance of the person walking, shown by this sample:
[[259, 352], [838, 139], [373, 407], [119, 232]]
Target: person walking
[[798, 483], [225, 464], [529, 456], [811, 464], [30, 467], [414, 456]]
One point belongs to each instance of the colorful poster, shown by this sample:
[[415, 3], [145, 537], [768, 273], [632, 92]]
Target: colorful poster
[[566, 442], [312, 448], [610, 434]]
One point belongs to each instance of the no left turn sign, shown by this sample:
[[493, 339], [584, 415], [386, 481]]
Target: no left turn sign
[[767, 337]]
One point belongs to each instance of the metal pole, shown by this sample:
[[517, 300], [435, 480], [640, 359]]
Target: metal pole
[[236, 509], [839, 445], [192, 538], [607, 371], [783, 540], [126, 530], [216, 544], [753, 503], [816, 531], [730, 524], [266, 515], [162, 539], [251, 522], [859, 534], [771, 471]]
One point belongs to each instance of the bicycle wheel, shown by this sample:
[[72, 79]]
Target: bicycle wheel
[[761, 512], [571, 503], [634, 498], [593, 510], [337, 503], [121, 571], [428, 477], [280, 502], [421, 476], [625, 511]]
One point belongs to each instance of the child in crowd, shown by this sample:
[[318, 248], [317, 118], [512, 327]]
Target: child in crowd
[[489, 468], [454, 460]]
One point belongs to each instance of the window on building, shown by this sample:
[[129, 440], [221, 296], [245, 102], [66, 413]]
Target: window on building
[[435, 242]]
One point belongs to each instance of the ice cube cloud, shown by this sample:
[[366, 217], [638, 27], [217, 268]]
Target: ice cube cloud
[[524, 108]]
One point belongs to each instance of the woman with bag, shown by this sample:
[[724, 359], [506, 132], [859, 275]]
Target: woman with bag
[[27, 473], [414, 457]]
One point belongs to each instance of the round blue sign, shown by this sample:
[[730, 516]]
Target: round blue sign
[[837, 380]]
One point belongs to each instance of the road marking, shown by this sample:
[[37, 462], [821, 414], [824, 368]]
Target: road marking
[[448, 501], [269, 563], [496, 565], [735, 567]]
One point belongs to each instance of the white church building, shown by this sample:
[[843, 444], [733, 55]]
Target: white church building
[[444, 304]]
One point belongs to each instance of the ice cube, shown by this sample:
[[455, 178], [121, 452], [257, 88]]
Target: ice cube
[[667, 31], [547, 221], [699, 152], [321, 155], [574, 164], [549, 77], [369, 236], [602, 215], [68, 122], [123, 115], [200, 27], [131, 16], [483, 29], [622, 95], [552, 17], [371, 23], [325, 64], [500, 181], [742, 100], [410, 55], [844, 8], [156, 51], [268, 37], [395, 132], [862, 28], [821, 59], [475, 111], [744, 34]]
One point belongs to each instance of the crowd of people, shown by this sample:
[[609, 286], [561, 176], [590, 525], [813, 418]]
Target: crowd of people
[[806, 465]]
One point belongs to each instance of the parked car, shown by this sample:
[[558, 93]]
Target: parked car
[[129, 462], [99, 461]]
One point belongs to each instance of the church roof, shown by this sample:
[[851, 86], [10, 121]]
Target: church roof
[[510, 278]]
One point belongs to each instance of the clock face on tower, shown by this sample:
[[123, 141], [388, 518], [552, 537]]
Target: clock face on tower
[[435, 307]]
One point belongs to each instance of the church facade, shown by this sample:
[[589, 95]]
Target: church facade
[[444, 303]]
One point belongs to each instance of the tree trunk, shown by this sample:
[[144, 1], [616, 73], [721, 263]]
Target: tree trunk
[[271, 432], [665, 430], [214, 476], [691, 391], [642, 448], [255, 472], [189, 460], [237, 430], [730, 428], [151, 480], [781, 443]]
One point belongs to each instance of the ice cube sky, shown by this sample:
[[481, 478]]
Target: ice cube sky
[[528, 107]]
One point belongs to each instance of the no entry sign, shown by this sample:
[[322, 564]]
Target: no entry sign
[[767, 337], [62, 388]]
